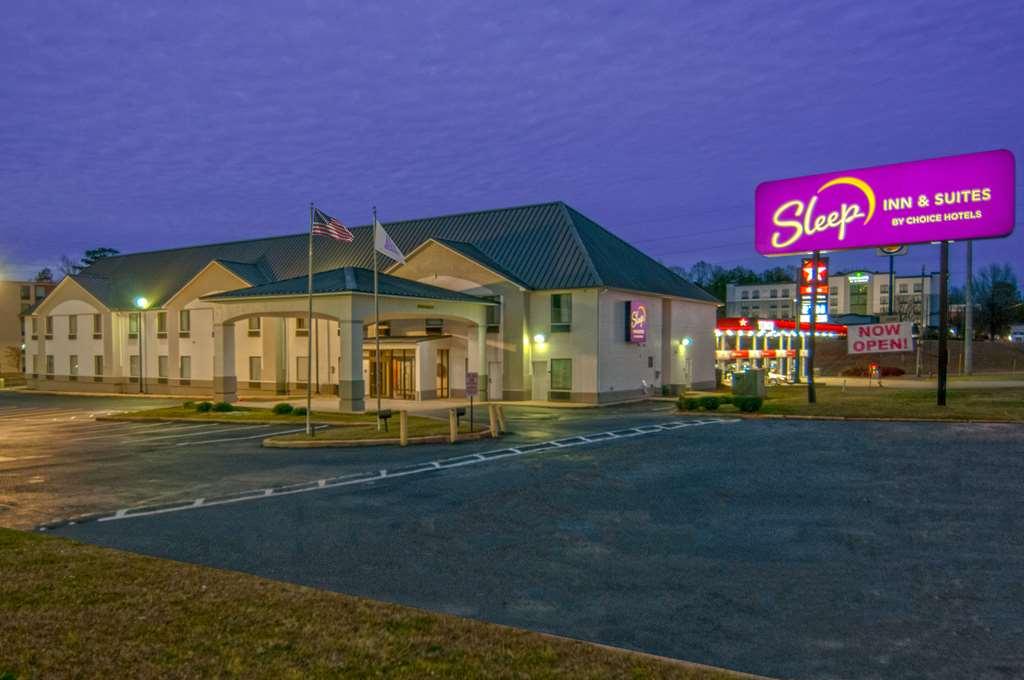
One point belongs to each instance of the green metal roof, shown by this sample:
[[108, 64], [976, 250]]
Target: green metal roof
[[348, 280], [540, 247]]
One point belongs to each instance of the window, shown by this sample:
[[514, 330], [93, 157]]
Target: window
[[161, 369], [434, 326], [133, 367], [35, 365], [49, 327], [745, 295], [97, 326], [97, 368], [184, 323], [133, 326], [561, 378], [49, 366], [161, 324], [745, 310], [72, 327], [833, 290], [918, 287], [756, 294], [255, 371], [35, 327], [26, 293], [185, 370], [73, 367], [903, 289], [301, 369], [775, 292], [884, 289], [40, 292], [561, 312], [301, 329], [254, 326], [785, 292]]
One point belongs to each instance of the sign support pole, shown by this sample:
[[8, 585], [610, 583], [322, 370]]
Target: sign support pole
[[943, 321], [812, 396], [892, 280], [969, 311]]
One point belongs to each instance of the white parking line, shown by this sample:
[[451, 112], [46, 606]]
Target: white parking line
[[254, 436], [411, 469], [210, 426], [123, 432]]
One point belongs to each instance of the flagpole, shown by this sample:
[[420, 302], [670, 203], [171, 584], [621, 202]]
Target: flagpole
[[309, 328], [376, 322]]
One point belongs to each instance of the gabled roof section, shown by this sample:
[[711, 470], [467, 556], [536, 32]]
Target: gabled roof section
[[469, 251], [542, 247], [620, 265], [89, 284], [255, 273], [347, 280]]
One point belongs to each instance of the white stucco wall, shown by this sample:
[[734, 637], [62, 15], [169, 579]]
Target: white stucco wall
[[624, 365]]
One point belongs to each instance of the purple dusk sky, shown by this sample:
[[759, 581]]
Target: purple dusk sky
[[142, 127]]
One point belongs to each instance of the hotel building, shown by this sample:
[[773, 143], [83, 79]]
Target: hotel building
[[537, 300]]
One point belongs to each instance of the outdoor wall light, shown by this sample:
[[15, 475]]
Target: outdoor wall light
[[141, 302], [539, 338], [687, 341]]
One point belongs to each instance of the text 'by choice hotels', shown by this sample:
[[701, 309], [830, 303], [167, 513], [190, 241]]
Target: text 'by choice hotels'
[[942, 199]]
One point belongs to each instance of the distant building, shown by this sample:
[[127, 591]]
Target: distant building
[[1017, 333], [16, 297], [858, 293]]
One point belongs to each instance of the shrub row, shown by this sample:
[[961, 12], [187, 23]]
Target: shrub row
[[862, 371], [711, 403], [207, 406]]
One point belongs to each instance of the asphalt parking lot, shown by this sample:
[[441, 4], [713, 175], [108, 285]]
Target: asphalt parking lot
[[792, 549], [57, 461]]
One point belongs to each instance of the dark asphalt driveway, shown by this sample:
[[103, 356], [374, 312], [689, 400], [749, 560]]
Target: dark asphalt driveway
[[788, 548], [57, 461]]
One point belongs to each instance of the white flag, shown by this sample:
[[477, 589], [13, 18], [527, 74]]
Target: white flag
[[383, 244]]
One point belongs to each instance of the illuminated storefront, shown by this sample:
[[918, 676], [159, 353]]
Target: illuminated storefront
[[776, 345]]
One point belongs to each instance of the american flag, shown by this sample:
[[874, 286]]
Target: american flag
[[325, 225]]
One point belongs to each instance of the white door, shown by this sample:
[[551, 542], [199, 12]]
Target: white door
[[540, 381], [494, 380]]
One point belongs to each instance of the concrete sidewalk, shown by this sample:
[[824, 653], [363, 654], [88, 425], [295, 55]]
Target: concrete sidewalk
[[957, 382]]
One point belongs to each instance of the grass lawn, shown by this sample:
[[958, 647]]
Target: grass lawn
[[891, 402], [73, 610]]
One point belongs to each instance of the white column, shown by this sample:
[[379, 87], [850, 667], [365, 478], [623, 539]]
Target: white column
[[225, 384], [351, 389]]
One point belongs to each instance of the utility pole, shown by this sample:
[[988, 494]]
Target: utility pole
[[969, 312], [943, 321], [920, 329]]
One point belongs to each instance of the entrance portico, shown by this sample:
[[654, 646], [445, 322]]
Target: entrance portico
[[340, 297]]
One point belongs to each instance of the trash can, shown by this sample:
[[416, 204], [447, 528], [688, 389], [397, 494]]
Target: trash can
[[749, 383]]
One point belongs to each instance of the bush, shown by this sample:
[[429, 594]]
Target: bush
[[710, 403], [223, 407], [204, 406], [748, 404], [282, 409], [726, 399], [189, 404], [299, 411], [862, 371], [686, 403]]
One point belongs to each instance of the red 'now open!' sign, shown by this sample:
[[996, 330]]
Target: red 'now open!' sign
[[880, 337]]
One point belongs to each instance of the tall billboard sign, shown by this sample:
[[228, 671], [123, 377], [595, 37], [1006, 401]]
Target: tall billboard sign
[[814, 278], [943, 199], [636, 322]]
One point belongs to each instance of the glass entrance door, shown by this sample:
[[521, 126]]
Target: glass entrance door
[[443, 373], [398, 373]]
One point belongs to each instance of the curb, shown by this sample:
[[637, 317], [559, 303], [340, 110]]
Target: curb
[[223, 421], [270, 442], [779, 416]]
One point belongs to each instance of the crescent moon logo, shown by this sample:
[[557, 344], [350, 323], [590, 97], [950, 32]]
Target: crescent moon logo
[[869, 193]]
